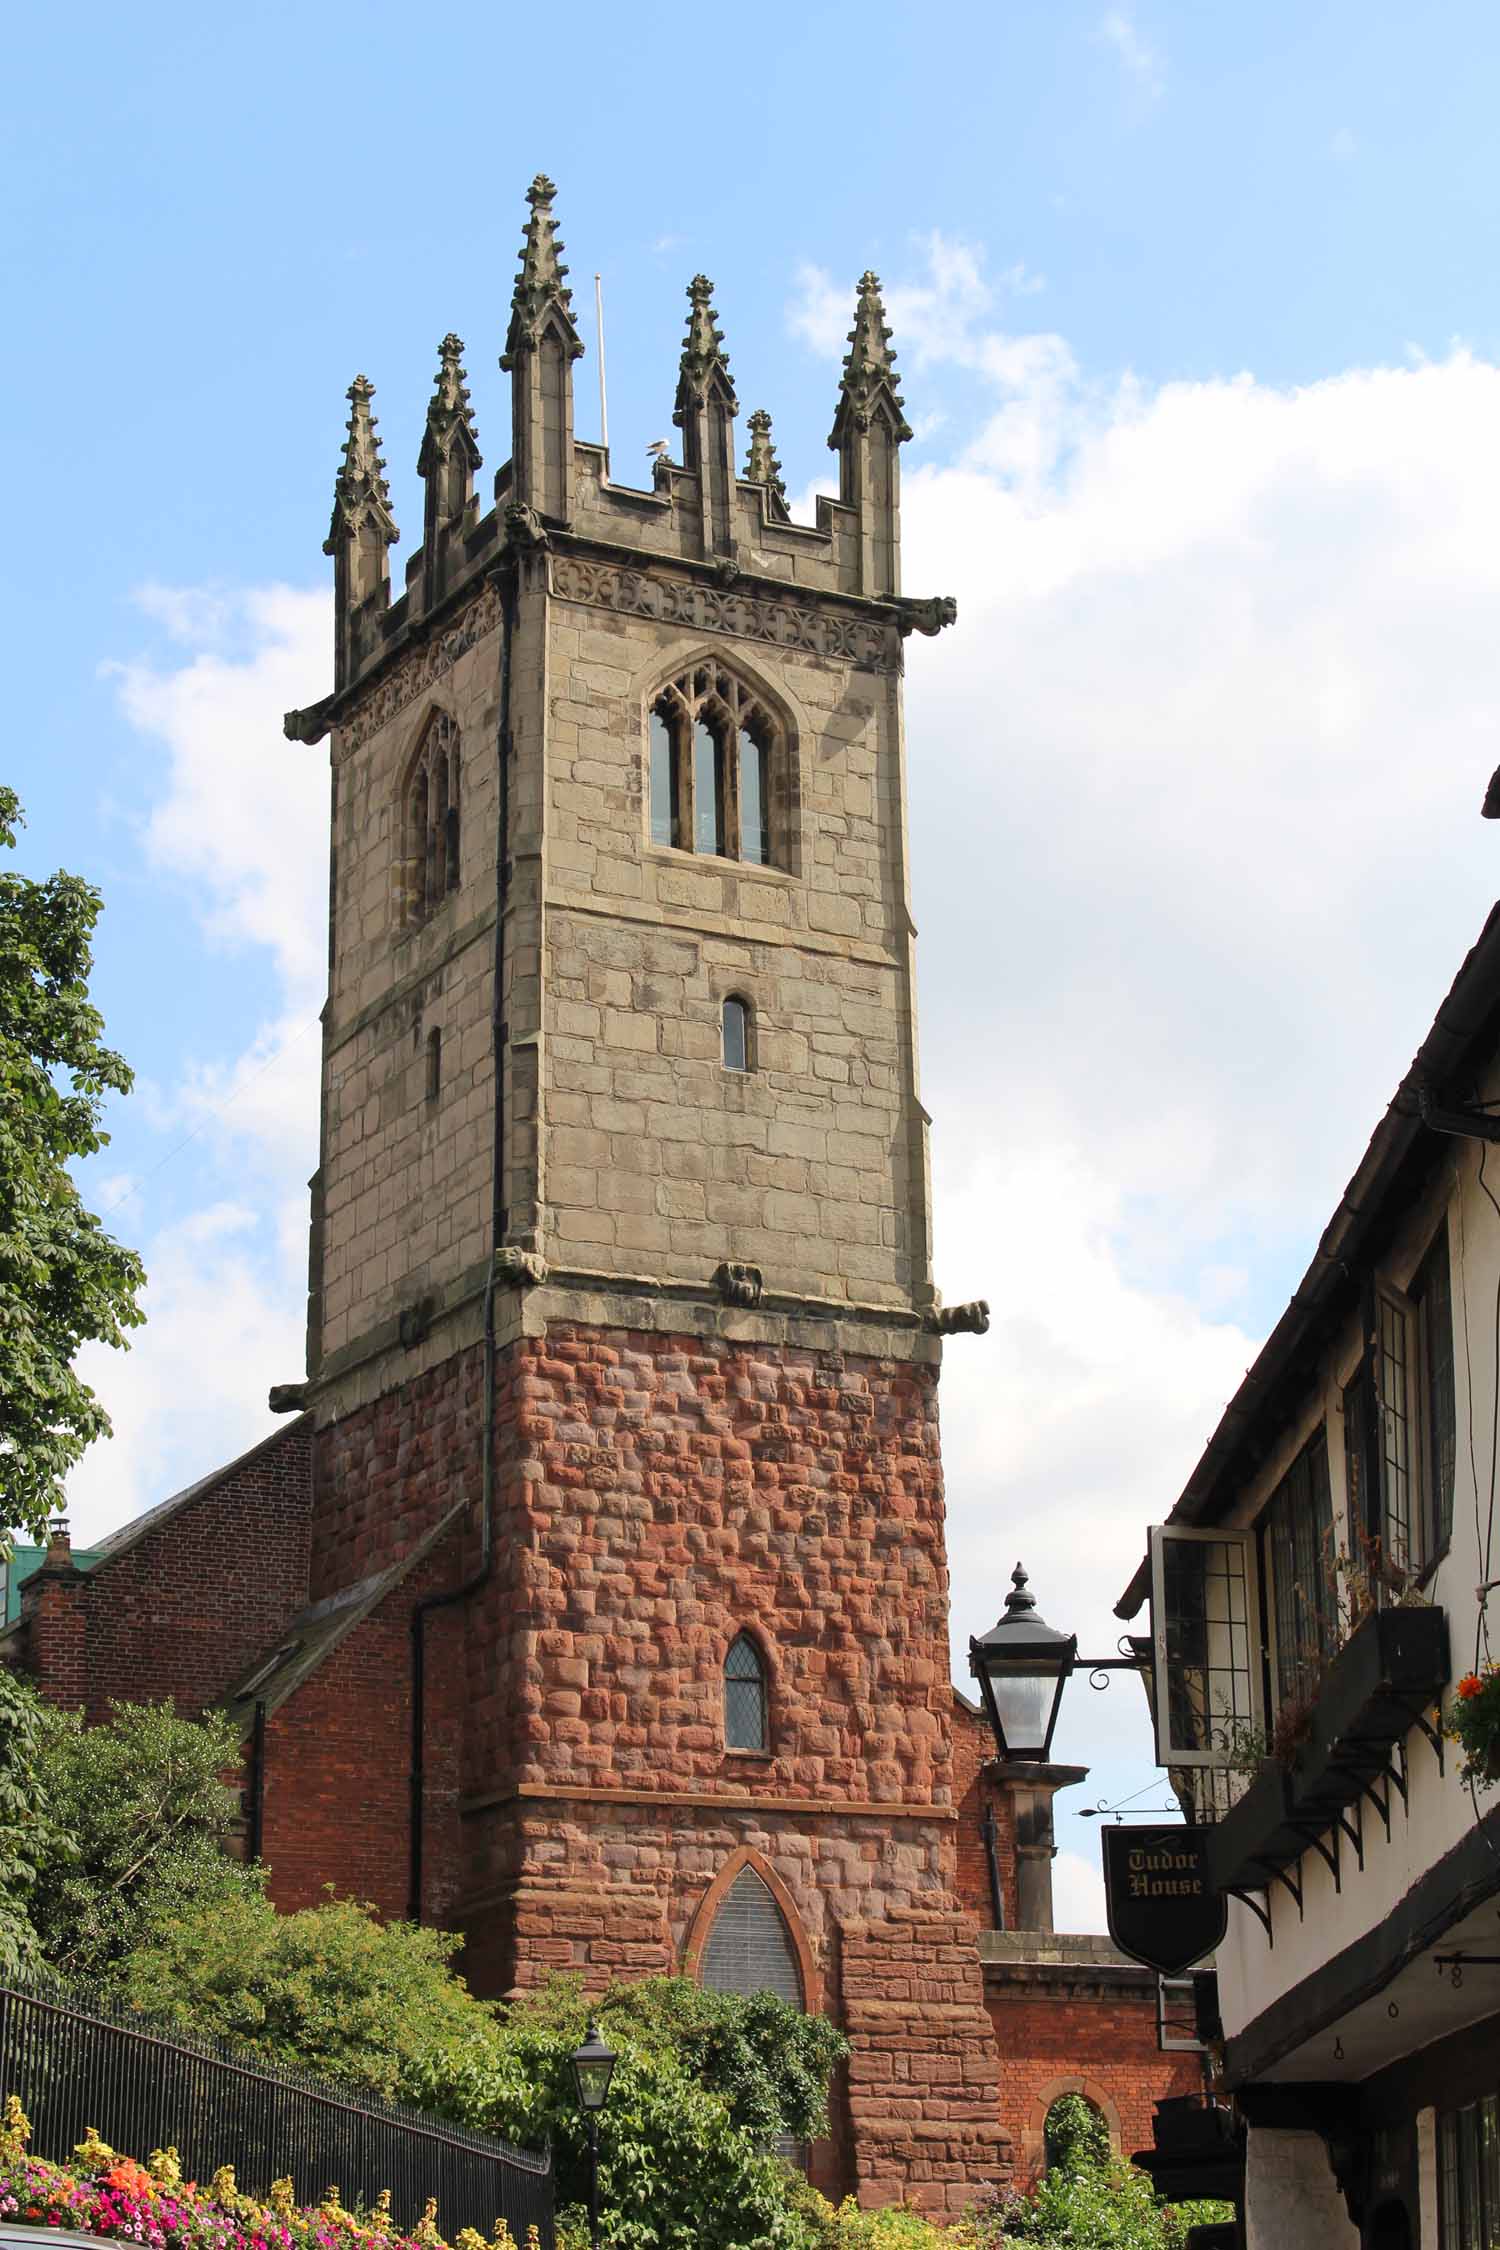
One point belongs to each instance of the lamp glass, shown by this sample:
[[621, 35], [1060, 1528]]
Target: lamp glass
[[593, 2067], [1025, 1702]]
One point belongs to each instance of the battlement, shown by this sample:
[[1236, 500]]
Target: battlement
[[727, 525]]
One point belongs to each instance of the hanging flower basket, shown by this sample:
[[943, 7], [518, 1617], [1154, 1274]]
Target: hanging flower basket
[[1474, 1724]]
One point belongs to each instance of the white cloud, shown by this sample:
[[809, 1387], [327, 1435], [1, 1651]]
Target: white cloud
[[241, 824], [245, 816], [1077, 1893], [1139, 60], [1194, 790], [223, 1307]]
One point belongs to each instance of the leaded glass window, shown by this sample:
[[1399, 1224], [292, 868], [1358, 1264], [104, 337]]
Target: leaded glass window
[[1433, 1292], [1298, 1533], [745, 1697]]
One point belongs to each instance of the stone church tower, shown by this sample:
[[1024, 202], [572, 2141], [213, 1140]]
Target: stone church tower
[[594, 1601], [621, 1230]]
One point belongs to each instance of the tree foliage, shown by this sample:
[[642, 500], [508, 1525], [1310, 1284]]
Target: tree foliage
[[64, 1281], [141, 1814], [33, 1841], [331, 1988]]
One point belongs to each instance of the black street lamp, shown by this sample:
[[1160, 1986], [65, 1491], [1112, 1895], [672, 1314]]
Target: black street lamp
[[1022, 1665], [593, 2067]]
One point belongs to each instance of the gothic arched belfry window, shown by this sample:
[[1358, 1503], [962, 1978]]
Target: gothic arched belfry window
[[430, 821], [718, 778]]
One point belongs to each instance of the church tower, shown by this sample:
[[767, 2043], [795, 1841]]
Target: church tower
[[621, 1303]]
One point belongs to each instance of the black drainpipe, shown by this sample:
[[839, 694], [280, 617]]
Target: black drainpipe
[[997, 1895], [256, 1836], [472, 1584]]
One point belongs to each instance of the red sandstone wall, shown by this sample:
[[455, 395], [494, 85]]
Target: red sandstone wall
[[677, 1491], [191, 1601], [1102, 2046]]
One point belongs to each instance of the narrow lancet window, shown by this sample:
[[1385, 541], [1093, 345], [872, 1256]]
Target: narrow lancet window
[[664, 780], [708, 799], [755, 836], [430, 848], [434, 1064], [744, 1697], [736, 1035]]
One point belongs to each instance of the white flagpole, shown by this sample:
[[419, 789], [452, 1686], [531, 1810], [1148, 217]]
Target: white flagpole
[[603, 400]]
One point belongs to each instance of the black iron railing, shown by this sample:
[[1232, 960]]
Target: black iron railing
[[77, 2059]]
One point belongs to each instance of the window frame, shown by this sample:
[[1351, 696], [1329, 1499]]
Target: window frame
[[1234, 1538], [430, 821], [1295, 1667], [743, 1068], [747, 1640], [709, 698]]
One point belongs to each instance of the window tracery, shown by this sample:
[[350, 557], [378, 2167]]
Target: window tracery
[[431, 821], [718, 765]]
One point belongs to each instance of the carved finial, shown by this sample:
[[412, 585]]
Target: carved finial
[[762, 467], [703, 355], [361, 496], [450, 418], [869, 366], [541, 283]]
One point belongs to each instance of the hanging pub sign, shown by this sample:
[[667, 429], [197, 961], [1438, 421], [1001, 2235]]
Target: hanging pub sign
[[1157, 1897]]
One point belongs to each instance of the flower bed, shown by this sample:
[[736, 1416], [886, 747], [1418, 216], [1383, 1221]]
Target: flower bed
[[118, 2198]]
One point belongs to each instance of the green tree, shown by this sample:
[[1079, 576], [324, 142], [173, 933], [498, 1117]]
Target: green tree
[[33, 1841], [64, 1282], [142, 1814]]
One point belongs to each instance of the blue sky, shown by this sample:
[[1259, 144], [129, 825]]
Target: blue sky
[[1198, 321]]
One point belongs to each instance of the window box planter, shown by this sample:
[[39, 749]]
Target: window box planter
[[1255, 1839], [1392, 1667]]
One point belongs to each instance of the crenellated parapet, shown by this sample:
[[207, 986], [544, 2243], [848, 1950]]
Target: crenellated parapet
[[701, 527]]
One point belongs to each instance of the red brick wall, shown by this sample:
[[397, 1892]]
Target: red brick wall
[[973, 1749], [1098, 2039], [191, 1600], [337, 1785]]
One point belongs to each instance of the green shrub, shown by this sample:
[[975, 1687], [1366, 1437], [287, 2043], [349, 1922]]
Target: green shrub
[[332, 1988]]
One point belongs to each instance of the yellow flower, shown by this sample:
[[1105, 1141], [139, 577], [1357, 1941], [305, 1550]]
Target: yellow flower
[[283, 2197], [15, 2132], [93, 2154], [425, 2231], [163, 2166]]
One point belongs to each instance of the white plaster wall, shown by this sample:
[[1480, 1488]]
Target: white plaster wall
[[1291, 2200], [1438, 1812]]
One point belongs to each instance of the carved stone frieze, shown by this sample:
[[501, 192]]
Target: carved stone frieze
[[420, 670], [819, 630]]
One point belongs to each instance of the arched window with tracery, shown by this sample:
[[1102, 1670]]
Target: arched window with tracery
[[750, 1948], [745, 1712], [719, 768], [431, 820]]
